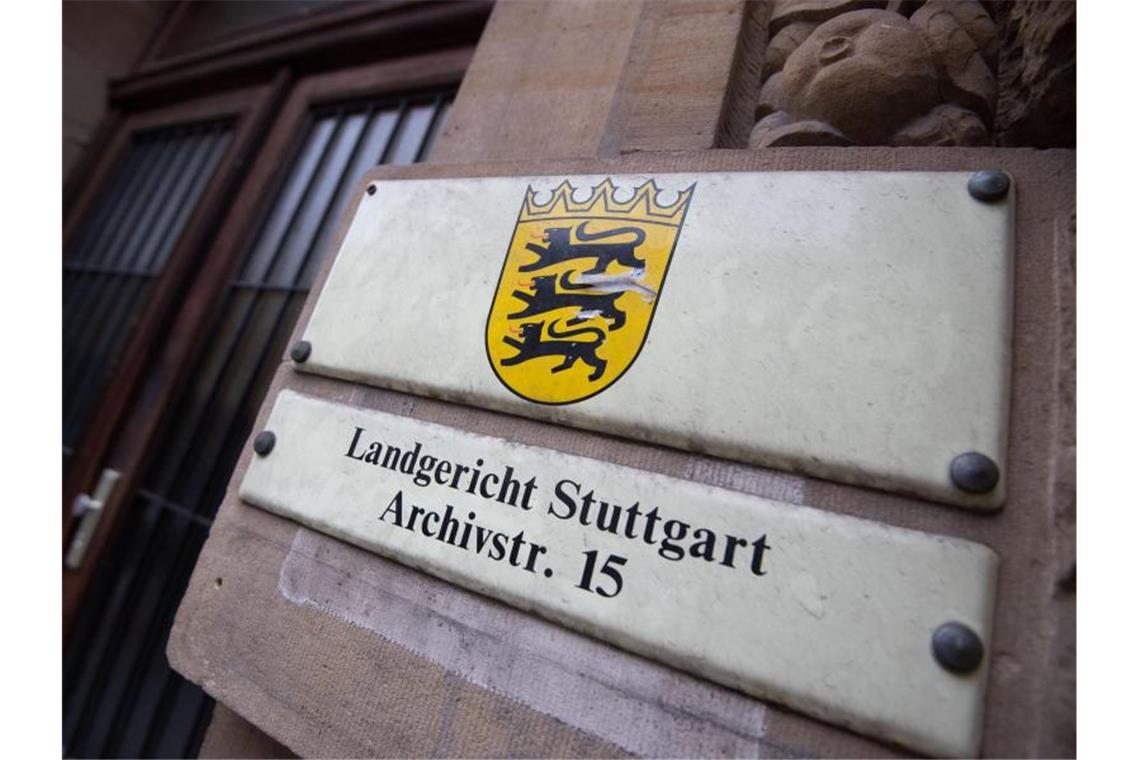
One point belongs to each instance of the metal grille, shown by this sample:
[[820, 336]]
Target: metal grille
[[120, 250], [121, 698]]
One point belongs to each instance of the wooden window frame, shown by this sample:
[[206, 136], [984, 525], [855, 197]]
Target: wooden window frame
[[334, 38], [158, 375], [251, 109]]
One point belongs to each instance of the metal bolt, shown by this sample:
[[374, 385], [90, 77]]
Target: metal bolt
[[372, 189], [300, 351], [263, 443], [956, 647], [989, 185], [974, 473]]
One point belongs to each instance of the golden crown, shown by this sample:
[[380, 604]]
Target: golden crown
[[643, 204]]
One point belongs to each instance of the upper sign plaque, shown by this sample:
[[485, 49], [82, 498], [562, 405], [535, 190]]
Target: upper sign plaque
[[850, 325]]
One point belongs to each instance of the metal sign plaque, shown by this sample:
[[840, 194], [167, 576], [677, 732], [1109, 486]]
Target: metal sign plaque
[[852, 325], [877, 628]]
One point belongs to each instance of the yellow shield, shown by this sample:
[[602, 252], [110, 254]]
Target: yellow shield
[[578, 289]]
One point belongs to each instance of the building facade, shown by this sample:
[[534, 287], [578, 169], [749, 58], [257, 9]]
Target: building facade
[[215, 154]]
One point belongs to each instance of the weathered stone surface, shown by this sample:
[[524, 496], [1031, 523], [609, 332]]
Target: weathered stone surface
[[977, 23], [783, 44], [905, 7], [778, 130], [771, 97], [947, 125], [768, 123], [1037, 105], [874, 76], [960, 35], [907, 72], [864, 73], [786, 12]]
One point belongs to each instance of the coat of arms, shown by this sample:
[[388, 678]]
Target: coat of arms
[[578, 289]]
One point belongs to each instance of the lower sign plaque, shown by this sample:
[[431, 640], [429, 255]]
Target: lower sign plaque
[[832, 615]]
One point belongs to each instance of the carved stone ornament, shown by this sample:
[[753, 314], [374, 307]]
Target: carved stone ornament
[[843, 73]]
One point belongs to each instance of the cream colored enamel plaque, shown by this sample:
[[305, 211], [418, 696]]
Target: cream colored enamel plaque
[[829, 614], [850, 325]]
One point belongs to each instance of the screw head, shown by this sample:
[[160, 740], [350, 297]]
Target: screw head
[[300, 351], [956, 647], [372, 189], [263, 443], [974, 473], [989, 185]]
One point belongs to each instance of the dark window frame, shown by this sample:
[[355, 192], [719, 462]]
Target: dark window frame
[[269, 122], [249, 109], [164, 366]]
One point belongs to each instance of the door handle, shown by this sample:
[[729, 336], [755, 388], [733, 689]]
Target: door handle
[[89, 509]]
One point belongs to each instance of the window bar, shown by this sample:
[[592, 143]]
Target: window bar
[[178, 445], [268, 287], [137, 668], [101, 292], [173, 230], [131, 580], [302, 269], [157, 626], [429, 133], [186, 702], [144, 664], [180, 196], [271, 341], [175, 507], [275, 271], [79, 670], [110, 245], [138, 154], [108, 628], [77, 309], [274, 337], [182, 153], [109, 206], [123, 623], [175, 474], [379, 131], [288, 198], [177, 579], [127, 292], [397, 130], [117, 614], [116, 321], [115, 686], [114, 254], [152, 657], [71, 268], [205, 713], [155, 620], [185, 181], [83, 308], [166, 702], [212, 484], [275, 334], [77, 390]]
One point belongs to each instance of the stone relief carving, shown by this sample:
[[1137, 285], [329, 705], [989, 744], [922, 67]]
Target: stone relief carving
[[852, 72], [1037, 75]]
